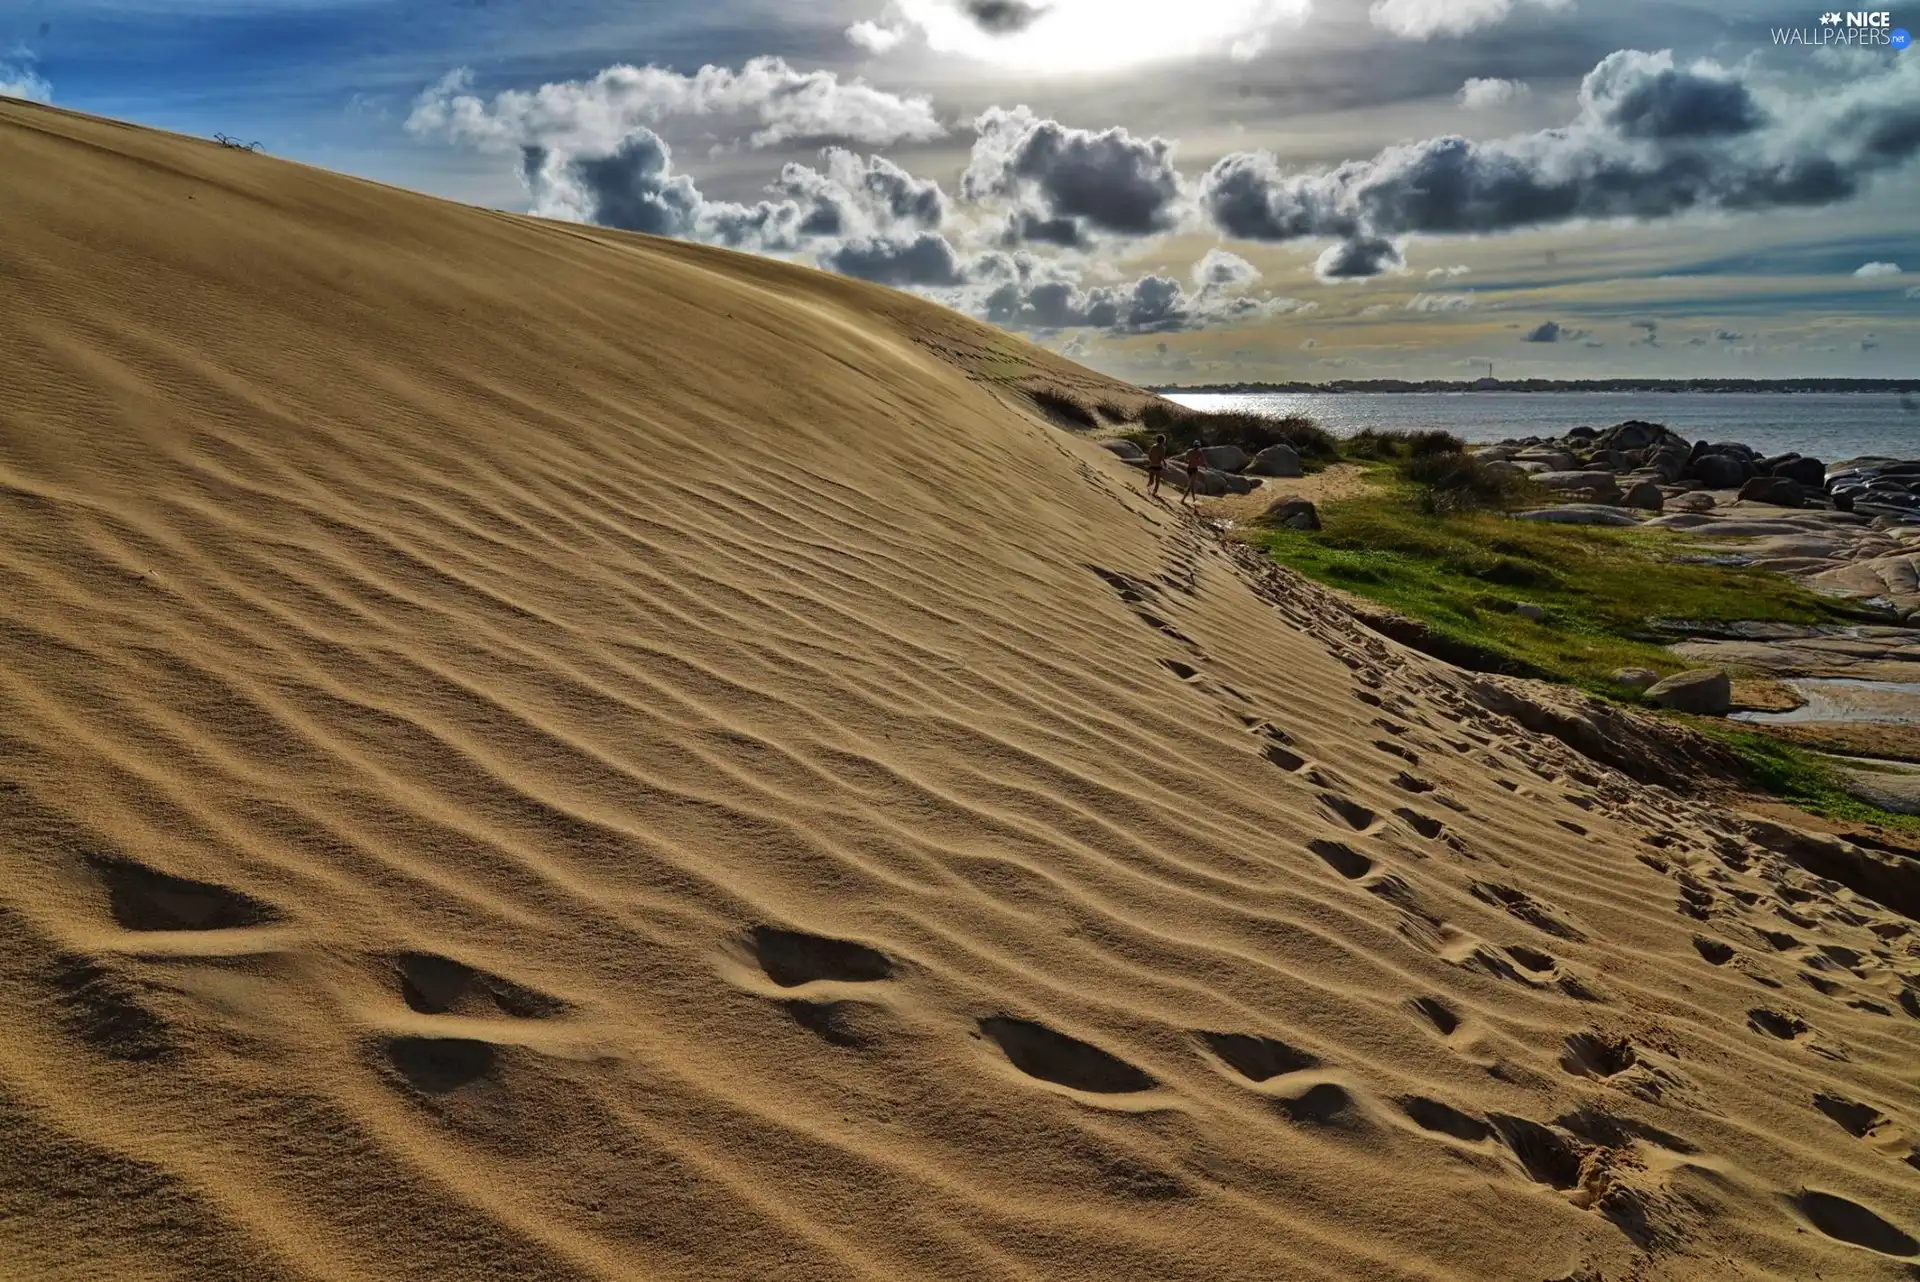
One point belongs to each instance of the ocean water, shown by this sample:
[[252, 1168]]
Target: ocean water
[[1825, 426]]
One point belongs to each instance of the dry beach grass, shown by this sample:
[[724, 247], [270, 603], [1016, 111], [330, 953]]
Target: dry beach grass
[[538, 753]]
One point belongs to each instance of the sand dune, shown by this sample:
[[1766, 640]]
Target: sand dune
[[536, 753]]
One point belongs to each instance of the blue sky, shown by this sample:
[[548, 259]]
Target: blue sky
[[1219, 189]]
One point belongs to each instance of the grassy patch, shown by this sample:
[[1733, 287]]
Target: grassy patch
[[1805, 779], [1463, 573]]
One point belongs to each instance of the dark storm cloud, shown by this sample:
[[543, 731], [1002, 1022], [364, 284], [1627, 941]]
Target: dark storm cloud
[[1652, 141], [924, 259], [1002, 17], [1109, 181], [1551, 332]]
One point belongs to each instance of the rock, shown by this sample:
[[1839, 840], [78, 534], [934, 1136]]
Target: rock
[[1634, 435], [1580, 514], [1699, 501], [1291, 513], [1600, 484], [1276, 460], [1636, 678], [1776, 490], [1224, 458], [1124, 449], [1210, 483], [1809, 473], [1718, 471], [1528, 610], [1645, 496], [1703, 691], [1496, 453], [1556, 460], [1238, 484]]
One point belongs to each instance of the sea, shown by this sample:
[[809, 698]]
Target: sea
[[1827, 426]]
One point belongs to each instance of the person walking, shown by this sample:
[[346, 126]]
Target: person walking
[[1195, 460], [1156, 465]]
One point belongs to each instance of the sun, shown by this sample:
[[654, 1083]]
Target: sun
[[1100, 35]]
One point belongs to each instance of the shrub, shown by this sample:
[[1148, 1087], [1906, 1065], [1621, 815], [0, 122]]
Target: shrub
[[1250, 430], [1460, 482], [1391, 445]]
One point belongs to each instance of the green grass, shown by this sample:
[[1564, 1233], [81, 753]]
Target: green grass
[[1462, 574], [1803, 778]]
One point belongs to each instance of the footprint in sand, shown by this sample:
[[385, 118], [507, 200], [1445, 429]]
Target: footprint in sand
[[1600, 1055], [1276, 751], [1411, 783], [1343, 859], [1256, 1058], [1523, 906], [435, 985], [1432, 1115], [1715, 952], [1444, 1019], [1781, 1024], [1393, 749], [1185, 671], [1352, 813], [1848, 1221], [145, 899], [438, 1065], [1425, 825], [1040, 1052], [791, 958]]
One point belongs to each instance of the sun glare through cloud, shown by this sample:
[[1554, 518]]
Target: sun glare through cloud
[[1099, 35]]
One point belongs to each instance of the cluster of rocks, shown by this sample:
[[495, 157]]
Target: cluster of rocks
[[1648, 467], [1228, 468], [1876, 487]]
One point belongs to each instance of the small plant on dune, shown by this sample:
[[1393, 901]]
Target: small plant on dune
[[1064, 407]]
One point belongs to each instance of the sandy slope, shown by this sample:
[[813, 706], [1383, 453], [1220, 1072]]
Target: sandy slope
[[535, 753]]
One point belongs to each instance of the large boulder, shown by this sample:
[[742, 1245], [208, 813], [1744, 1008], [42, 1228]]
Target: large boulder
[[1555, 460], [1600, 486], [1776, 490], [1718, 471], [1291, 513], [1703, 691], [1496, 453], [1809, 473], [1646, 496], [1209, 484], [1636, 678], [1579, 514], [1125, 449], [1698, 501], [1224, 458], [1633, 435], [1276, 460]]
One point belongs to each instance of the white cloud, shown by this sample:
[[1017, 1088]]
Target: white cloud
[[18, 79], [1220, 269], [1449, 273], [1479, 94], [1440, 302], [596, 113], [1913, 295], [1878, 271], [873, 37], [1423, 19]]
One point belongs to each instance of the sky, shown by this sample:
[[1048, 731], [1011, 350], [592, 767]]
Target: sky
[[1192, 192]]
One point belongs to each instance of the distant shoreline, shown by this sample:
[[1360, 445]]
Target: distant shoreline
[[1714, 386]]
